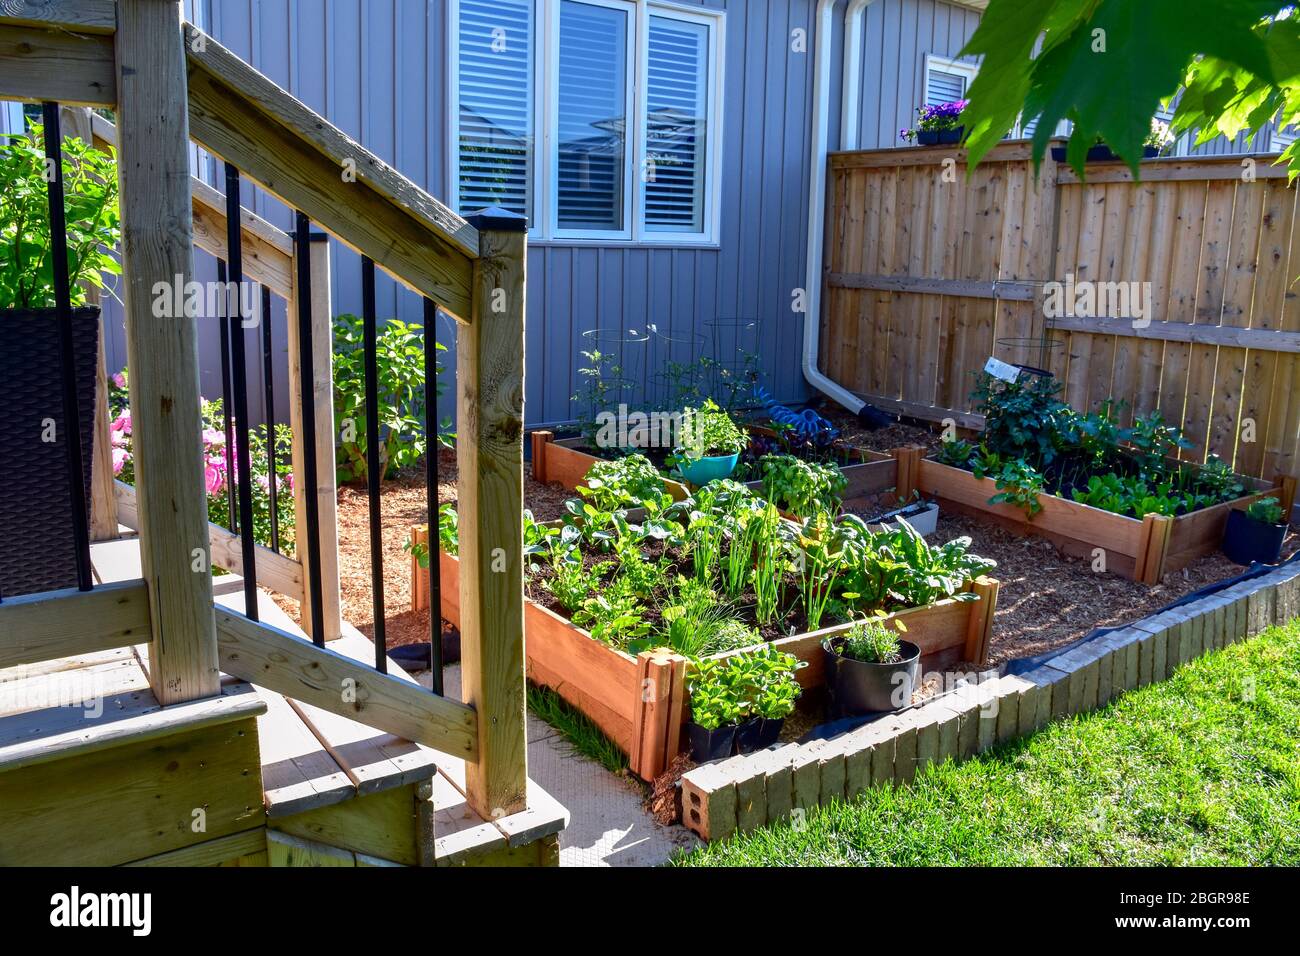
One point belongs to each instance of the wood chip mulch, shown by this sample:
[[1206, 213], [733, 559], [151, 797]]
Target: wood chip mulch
[[898, 435], [1048, 600]]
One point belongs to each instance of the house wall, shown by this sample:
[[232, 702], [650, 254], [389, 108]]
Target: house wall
[[377, 68]]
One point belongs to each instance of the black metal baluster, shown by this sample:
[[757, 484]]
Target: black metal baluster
[[268, 414], [239, 368], [67, 350], [306, 372], [227, 419], [431, 492], [373, 466]]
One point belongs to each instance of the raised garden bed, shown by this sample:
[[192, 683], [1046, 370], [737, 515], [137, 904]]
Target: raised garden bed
[[1142, 549], [640, 702], [565, 462]]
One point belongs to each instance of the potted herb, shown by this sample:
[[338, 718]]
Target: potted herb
[[31, 376], [937, 125], [870, 669], [718, 705], [773, 690], [1255, 534], [711, 444]]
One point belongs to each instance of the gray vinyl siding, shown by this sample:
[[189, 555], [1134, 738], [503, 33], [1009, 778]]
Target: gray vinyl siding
[[378, 69]]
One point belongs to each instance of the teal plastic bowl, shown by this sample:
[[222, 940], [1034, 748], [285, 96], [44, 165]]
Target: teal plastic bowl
[[703, 470]]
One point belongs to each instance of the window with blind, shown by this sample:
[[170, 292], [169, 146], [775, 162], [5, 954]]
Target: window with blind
[[677, 111], [946, 81], [495, 69], [595, 118]]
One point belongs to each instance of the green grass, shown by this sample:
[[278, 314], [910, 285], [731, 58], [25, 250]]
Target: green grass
[[1201, 769], [582, 734]]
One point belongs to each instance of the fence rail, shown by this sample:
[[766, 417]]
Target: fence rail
[[930, 272]]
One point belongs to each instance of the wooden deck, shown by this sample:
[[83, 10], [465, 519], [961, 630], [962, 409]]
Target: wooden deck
[[332, 792]]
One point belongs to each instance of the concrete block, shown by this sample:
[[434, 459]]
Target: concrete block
[[832, 770], [926, 719], [709, 802], [779, 781], [805, 770]]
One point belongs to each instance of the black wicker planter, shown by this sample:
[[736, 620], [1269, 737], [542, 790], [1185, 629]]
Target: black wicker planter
[[37, 547]]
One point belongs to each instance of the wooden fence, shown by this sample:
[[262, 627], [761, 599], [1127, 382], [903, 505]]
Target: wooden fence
[[929, 273]]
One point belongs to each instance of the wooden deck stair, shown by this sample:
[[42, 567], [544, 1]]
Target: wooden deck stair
[[332, 790]]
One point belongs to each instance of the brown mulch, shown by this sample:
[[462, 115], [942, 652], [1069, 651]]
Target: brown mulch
[[898, 435], [1048, 599], [664, 801], [402, 506]]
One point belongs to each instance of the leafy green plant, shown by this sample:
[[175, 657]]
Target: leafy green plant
[[802, 487], [822, 560], [90, 209], [400, 393], [628, 482], [707, 431], [1019, 484], [1215, 478], [602, 389], [957, 453], [770, 675], [871, 642], [719, 694], [1267, 510], [1019, 417], [614, 615], [771, 549], [448, 536]]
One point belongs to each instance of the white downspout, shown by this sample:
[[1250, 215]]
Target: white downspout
[[852, 67]]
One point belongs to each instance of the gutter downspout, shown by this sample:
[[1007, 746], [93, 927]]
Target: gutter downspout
[[852, 67]]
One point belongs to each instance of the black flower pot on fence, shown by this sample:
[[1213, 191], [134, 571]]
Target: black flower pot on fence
[[940, 137], [1102, 153], [713, 744], [758, 733], [1246, 541], [858, 688]]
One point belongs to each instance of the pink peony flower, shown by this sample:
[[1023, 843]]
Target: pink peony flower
[[119, 460], [122, 423], [214, 478], [119, 380]]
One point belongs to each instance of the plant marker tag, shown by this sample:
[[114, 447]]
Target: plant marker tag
[[1002, 370]]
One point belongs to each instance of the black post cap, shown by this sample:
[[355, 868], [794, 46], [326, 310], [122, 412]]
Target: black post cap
[[496, 219]]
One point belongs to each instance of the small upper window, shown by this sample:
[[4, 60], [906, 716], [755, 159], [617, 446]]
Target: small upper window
[[947, 81]]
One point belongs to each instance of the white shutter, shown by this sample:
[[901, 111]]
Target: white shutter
[[677, 112], [943, 86], [495, 79], [592, 116]]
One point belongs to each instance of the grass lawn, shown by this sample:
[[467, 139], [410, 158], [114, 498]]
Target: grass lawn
[[1201, 769]]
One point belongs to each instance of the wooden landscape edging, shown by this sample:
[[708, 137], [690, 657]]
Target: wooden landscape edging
[[640, 702], [745, 792], [1144, 550]]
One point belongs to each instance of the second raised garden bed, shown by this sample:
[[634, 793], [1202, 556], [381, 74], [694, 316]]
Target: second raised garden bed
[[1143, 549]]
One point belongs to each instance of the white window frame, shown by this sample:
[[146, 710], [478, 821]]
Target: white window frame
[[544, 228], [933, 62]]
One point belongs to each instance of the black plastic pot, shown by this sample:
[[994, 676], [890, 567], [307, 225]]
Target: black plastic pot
[[711, 744], [1246, 540], [858, 688], [758, 733], [940, 137], [1102, 154]]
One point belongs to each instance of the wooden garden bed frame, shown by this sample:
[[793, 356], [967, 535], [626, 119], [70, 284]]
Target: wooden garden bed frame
[[1143, 549], [640, 702], [560, 461]]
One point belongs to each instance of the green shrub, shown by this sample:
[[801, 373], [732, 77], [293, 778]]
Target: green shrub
[[91, 213], [871, 642]]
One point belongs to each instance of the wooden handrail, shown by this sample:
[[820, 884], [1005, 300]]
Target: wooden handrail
[[46, 627], [84, 16], [267, 250], [275, 659], [312, 165]]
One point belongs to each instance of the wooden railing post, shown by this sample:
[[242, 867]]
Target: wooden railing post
[[157, 253], [490, 458], [326, 490]]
